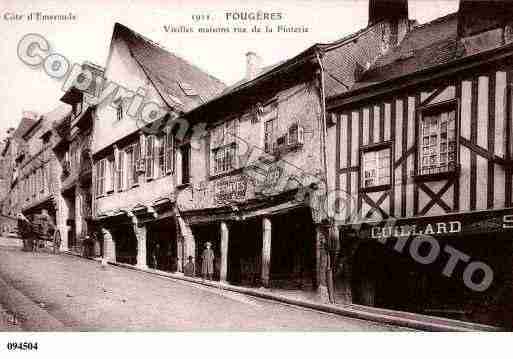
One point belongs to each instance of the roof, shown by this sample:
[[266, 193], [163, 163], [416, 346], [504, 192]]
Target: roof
[[244, 80], [342, 60], [424, 47], [55, 117], [262, 75], [335, 58], [182, 85], [25, 124], [58, 114]]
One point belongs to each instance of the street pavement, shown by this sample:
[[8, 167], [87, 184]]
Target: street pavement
[[81, 295]]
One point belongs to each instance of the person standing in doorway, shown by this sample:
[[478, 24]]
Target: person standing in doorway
[[207, 262], [155, 256], [189, 270]]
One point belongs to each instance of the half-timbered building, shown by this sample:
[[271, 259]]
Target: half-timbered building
[[423, 162], [259, 174]]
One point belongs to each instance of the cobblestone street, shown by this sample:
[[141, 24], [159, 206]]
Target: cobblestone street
[[83, 296]]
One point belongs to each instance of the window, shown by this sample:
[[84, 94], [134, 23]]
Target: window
[[161, 155], [34, 183], [119, 112], [268, 136], [111, 171], [132, 158], [66, 165], [223, 147], [48, 179], [130, 165], [120, 175], [185, 152], [295, 135], [224, 159], [43, 180], [437, 142], [100, 177], [74, 158], [77, 109], [376, 168], [136, 160], [150, 157], [169, 152], [40, 179]]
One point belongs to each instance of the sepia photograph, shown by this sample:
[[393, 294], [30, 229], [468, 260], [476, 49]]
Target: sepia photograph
[[227, 167]]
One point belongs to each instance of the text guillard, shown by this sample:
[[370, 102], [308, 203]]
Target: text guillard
[[409, 230]]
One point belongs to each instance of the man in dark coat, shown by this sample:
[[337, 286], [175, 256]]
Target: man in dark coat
[[26, 232], [188, 269], [207, 262]]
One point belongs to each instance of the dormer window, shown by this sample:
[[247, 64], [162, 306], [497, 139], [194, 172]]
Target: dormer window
[[77, 109], [187, 89], [119, 110]]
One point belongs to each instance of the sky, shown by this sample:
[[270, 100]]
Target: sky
[[222, 55]]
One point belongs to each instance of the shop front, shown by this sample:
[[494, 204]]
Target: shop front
[[257, 240], [161, 252], [457, 266]]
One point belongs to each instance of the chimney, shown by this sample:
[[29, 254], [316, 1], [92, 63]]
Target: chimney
[[31, 115], [477, 16], [253, 65], [380, 10]]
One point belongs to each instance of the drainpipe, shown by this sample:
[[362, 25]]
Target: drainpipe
[[324, 153], [325, 250]]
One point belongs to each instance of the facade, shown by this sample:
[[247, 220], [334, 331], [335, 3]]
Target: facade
[[134, 164], [423, 155], [73, 152], [370, 170], [10, 150], [249, 156], [217, 161], [10, 147], [260, 150], [34, 185]]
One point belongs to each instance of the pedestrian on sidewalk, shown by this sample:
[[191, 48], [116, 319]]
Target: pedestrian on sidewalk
[[155, 256], [56, 241], [207, 262], [189, 269], [26, 232]]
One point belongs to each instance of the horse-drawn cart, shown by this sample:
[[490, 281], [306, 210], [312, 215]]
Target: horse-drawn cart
[[38, 234]]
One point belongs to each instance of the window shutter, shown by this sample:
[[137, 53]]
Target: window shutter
[[120, 174], [300, 134], [137, 157], [111, 174], [169, 152], [150, 154]]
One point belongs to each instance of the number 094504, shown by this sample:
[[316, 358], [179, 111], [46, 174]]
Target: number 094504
[[22, 346]]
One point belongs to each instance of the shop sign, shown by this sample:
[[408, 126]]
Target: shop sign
[[387, 231], [507, 221], [470, 224], [231, 189]]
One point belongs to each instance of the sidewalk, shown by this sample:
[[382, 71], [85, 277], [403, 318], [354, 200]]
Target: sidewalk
[[11, 241], [309, 300]]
